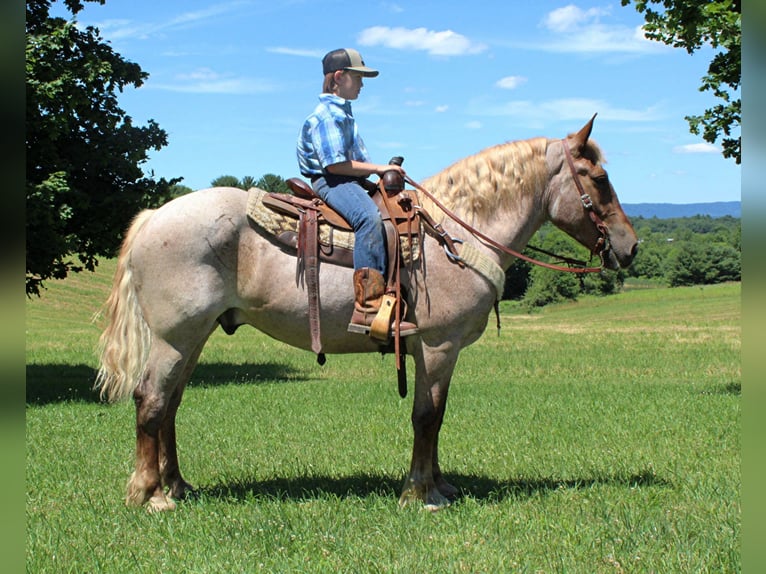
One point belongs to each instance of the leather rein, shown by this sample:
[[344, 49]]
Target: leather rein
[[598, 248]]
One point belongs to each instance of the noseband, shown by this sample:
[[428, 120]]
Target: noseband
[[602, 243]]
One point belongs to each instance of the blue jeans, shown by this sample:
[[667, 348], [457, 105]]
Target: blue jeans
[[346, 196]]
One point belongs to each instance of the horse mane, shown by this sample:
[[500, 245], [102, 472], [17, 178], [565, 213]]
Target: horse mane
[[479, 185]]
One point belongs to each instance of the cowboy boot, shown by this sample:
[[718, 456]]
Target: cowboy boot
[[369, 288]]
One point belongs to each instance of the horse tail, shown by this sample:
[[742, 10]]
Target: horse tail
[[124, 344]]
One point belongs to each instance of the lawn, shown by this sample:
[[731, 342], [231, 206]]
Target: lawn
[[596, 436]]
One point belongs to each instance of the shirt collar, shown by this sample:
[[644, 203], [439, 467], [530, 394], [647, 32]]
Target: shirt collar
[[336, 100]]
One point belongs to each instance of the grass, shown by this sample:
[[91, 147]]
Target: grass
[[596, 436]]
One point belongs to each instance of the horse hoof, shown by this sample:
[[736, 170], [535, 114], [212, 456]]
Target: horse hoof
[[446, 489], [160, 503], [182, 490], [433, 500]]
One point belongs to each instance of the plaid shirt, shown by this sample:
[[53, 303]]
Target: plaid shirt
[[329, 136]]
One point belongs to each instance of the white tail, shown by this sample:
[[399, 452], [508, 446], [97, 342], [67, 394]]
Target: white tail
[[124, 345]]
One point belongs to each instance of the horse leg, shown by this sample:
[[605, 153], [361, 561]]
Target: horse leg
[[152, 399], [444, 487], [433, 372], [170, 472]]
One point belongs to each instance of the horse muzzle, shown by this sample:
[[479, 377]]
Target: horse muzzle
[[615, 258]]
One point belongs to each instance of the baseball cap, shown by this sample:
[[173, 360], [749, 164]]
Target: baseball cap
[[346, 59]]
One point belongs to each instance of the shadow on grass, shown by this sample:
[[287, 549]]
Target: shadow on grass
[[48, 384], [359, 486]]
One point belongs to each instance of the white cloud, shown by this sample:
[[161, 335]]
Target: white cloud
[[317, 54], [444, 43], [473, 125], [581, 31], [510, 82], [441, 109], [696, 148], [562, 109], [569, 17], [127, 29], [393, 8], [207, 81]]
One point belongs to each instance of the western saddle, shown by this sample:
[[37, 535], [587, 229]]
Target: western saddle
[[403, 218]]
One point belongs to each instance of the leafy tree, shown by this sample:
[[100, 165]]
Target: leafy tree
[[607, 282], [269, 182], [177, 190], [225, 181], [247, 182], [517, 279], [690, 24], [84, 179], [549, 286], [273, 183]]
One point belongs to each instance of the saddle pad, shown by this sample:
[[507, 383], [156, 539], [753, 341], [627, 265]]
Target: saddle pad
[[275, 224]]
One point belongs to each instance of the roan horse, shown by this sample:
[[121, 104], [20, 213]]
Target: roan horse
[[197, 262]]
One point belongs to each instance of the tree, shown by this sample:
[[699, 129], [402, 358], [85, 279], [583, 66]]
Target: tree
[[269, 182], [225, 181], [690, 24], [84, 179], [247, 182], [273, 183]]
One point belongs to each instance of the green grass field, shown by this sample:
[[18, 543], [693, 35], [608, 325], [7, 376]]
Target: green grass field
[[597, 436]]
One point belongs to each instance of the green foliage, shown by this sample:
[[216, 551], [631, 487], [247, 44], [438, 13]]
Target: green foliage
[[549, 286], [269, 182], [273, 183], [84, 179], [225, 181], [698, 250], [691, 24], [688, 251], [177, 190], [696, 263]]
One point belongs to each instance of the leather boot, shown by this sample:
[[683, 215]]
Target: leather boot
[[369, 288]]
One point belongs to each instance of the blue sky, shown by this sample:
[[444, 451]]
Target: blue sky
[[232, 81]]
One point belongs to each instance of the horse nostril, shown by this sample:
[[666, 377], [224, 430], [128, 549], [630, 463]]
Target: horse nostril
[[634, 251]]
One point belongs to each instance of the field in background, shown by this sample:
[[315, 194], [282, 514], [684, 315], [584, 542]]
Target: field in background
[[596, 436]]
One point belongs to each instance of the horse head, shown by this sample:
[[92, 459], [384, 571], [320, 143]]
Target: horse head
[[582, 202]]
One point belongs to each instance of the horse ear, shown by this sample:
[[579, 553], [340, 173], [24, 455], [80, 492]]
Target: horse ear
[[581, 137]]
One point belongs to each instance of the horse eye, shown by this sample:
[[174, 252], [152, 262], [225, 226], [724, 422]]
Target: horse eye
[[601, 178]]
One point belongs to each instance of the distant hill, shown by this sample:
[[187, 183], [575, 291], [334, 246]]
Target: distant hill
[[671, 210]]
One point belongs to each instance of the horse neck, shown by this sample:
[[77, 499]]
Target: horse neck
[[499, 191]]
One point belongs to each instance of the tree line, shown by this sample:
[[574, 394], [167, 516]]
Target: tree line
[[699, 250]]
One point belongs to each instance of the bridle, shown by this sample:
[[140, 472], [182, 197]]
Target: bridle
[[574, 265], [602, 242]]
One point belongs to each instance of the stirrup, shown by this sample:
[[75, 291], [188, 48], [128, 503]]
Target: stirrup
[[366, 329]]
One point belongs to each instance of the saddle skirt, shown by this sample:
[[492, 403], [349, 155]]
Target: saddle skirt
[[280, 220]]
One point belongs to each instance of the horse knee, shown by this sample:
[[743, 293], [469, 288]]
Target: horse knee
[[150, 412], [424, 416]]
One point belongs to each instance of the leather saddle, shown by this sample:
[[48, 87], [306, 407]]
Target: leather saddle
[[397, 207], [403, 218]]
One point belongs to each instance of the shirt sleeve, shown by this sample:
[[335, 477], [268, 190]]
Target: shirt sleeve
[[329, 141]]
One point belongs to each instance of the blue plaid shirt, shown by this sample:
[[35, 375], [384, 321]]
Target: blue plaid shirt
[[329, 136]]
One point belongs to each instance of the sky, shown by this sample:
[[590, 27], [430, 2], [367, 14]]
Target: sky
[[231, 83]]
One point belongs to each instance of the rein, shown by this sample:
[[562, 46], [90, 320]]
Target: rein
[[586, 202]]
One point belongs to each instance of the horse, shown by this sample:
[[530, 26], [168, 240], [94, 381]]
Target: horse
[[197, 262]]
